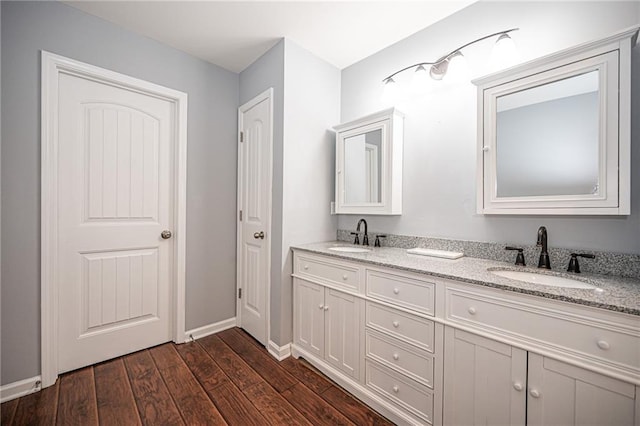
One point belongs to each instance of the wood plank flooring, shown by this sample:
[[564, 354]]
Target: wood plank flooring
[[226, 378]]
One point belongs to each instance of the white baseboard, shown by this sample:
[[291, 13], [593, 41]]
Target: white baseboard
[[206, 330], [279, 352], [17, 389]]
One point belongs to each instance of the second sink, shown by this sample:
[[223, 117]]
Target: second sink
[[543, 279]]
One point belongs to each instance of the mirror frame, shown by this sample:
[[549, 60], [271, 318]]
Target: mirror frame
[[612, 58], [391, 123]]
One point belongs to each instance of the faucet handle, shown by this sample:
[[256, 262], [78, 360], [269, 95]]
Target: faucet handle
[[356, 241], [574, 266], [377, 242], [519, 257]]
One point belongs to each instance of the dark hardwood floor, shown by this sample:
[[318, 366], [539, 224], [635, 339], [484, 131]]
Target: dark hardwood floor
[[227, 378]]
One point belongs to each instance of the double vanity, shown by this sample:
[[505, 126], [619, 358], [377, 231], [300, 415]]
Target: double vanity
[[427, 340]]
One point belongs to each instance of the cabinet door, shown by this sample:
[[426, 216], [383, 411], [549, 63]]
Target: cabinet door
[[563, 394], [308, 316], [342, 328], [485, 381]]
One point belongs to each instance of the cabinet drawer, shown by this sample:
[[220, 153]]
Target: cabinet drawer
[[325, 270], [413, 362], [405, 392], [401, 290], [586, 337], [406, 327]]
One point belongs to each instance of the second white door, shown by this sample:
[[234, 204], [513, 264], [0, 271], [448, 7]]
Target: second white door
[[254, 222]]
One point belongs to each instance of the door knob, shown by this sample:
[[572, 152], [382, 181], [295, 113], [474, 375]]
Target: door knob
[[258, 235], [166, 234]]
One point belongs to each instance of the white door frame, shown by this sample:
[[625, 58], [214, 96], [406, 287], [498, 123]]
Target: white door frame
[[52, 66], [266, 95]]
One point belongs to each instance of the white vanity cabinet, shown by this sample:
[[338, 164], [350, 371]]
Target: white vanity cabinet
[[515, 359], [328, 325], [371, 330], [485, 381], [427, 350]]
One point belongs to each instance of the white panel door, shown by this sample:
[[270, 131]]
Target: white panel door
[[116, 159], [342, 331], [254, 185], [485, 381], [562, 394], [308, 316]]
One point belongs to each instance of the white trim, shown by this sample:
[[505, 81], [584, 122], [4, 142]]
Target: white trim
[[266, 95], [207, 330], [52, 66], [279, 352], [20, 388]]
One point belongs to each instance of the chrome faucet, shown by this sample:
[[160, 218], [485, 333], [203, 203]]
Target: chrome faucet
[[365, 238], [544, 254]]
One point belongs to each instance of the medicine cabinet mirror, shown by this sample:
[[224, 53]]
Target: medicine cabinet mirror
[[369, 164], [554, 133]]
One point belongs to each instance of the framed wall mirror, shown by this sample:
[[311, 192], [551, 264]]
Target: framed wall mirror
[[369, 164], [554, 133]]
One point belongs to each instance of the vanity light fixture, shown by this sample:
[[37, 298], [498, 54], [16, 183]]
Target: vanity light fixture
[[439, 68]]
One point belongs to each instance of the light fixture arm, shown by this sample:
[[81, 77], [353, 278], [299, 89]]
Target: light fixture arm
[[443, 58]]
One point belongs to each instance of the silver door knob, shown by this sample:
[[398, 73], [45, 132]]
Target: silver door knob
[[259, 235], [166, 234]]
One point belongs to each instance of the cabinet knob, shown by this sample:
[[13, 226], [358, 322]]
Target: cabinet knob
[[485, 148], [604, 345], [326, 308], [396, 290], [396, 389], [321, 306], [472, 310], [534, 393], [396, 324], [306, 267], [345, 277], [518, 386], [396, 356]]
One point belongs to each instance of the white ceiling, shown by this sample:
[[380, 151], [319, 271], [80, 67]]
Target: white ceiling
[[233, 34]]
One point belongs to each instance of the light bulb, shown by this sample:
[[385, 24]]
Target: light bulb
[[458, 69], [420, 81], [390, 92], [504, 53]]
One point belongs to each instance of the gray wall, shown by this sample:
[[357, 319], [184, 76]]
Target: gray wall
[[268, 71], [302, 160], [311, 108], [28, 27], [440, 127]]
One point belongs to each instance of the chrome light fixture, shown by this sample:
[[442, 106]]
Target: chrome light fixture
[[438, 69]]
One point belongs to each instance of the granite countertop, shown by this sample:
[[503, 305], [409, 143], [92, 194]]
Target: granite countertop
[[612, 293]]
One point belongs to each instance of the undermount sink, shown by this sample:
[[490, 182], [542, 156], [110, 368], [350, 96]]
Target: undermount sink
[[346, 249], [543, 279]]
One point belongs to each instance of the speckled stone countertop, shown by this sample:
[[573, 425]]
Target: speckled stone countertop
[[612, 293]]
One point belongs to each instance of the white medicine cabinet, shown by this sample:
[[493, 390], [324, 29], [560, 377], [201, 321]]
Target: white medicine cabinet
[[554, 133], [369, 164]]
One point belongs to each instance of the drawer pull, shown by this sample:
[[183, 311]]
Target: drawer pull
[[396, 290], [396, 389], [396, 356], [534, 393], [306, 267], [320, 306], [396, 324], [326, 308], [604, 345], [518, 386], [345, 277], [472, 310]]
